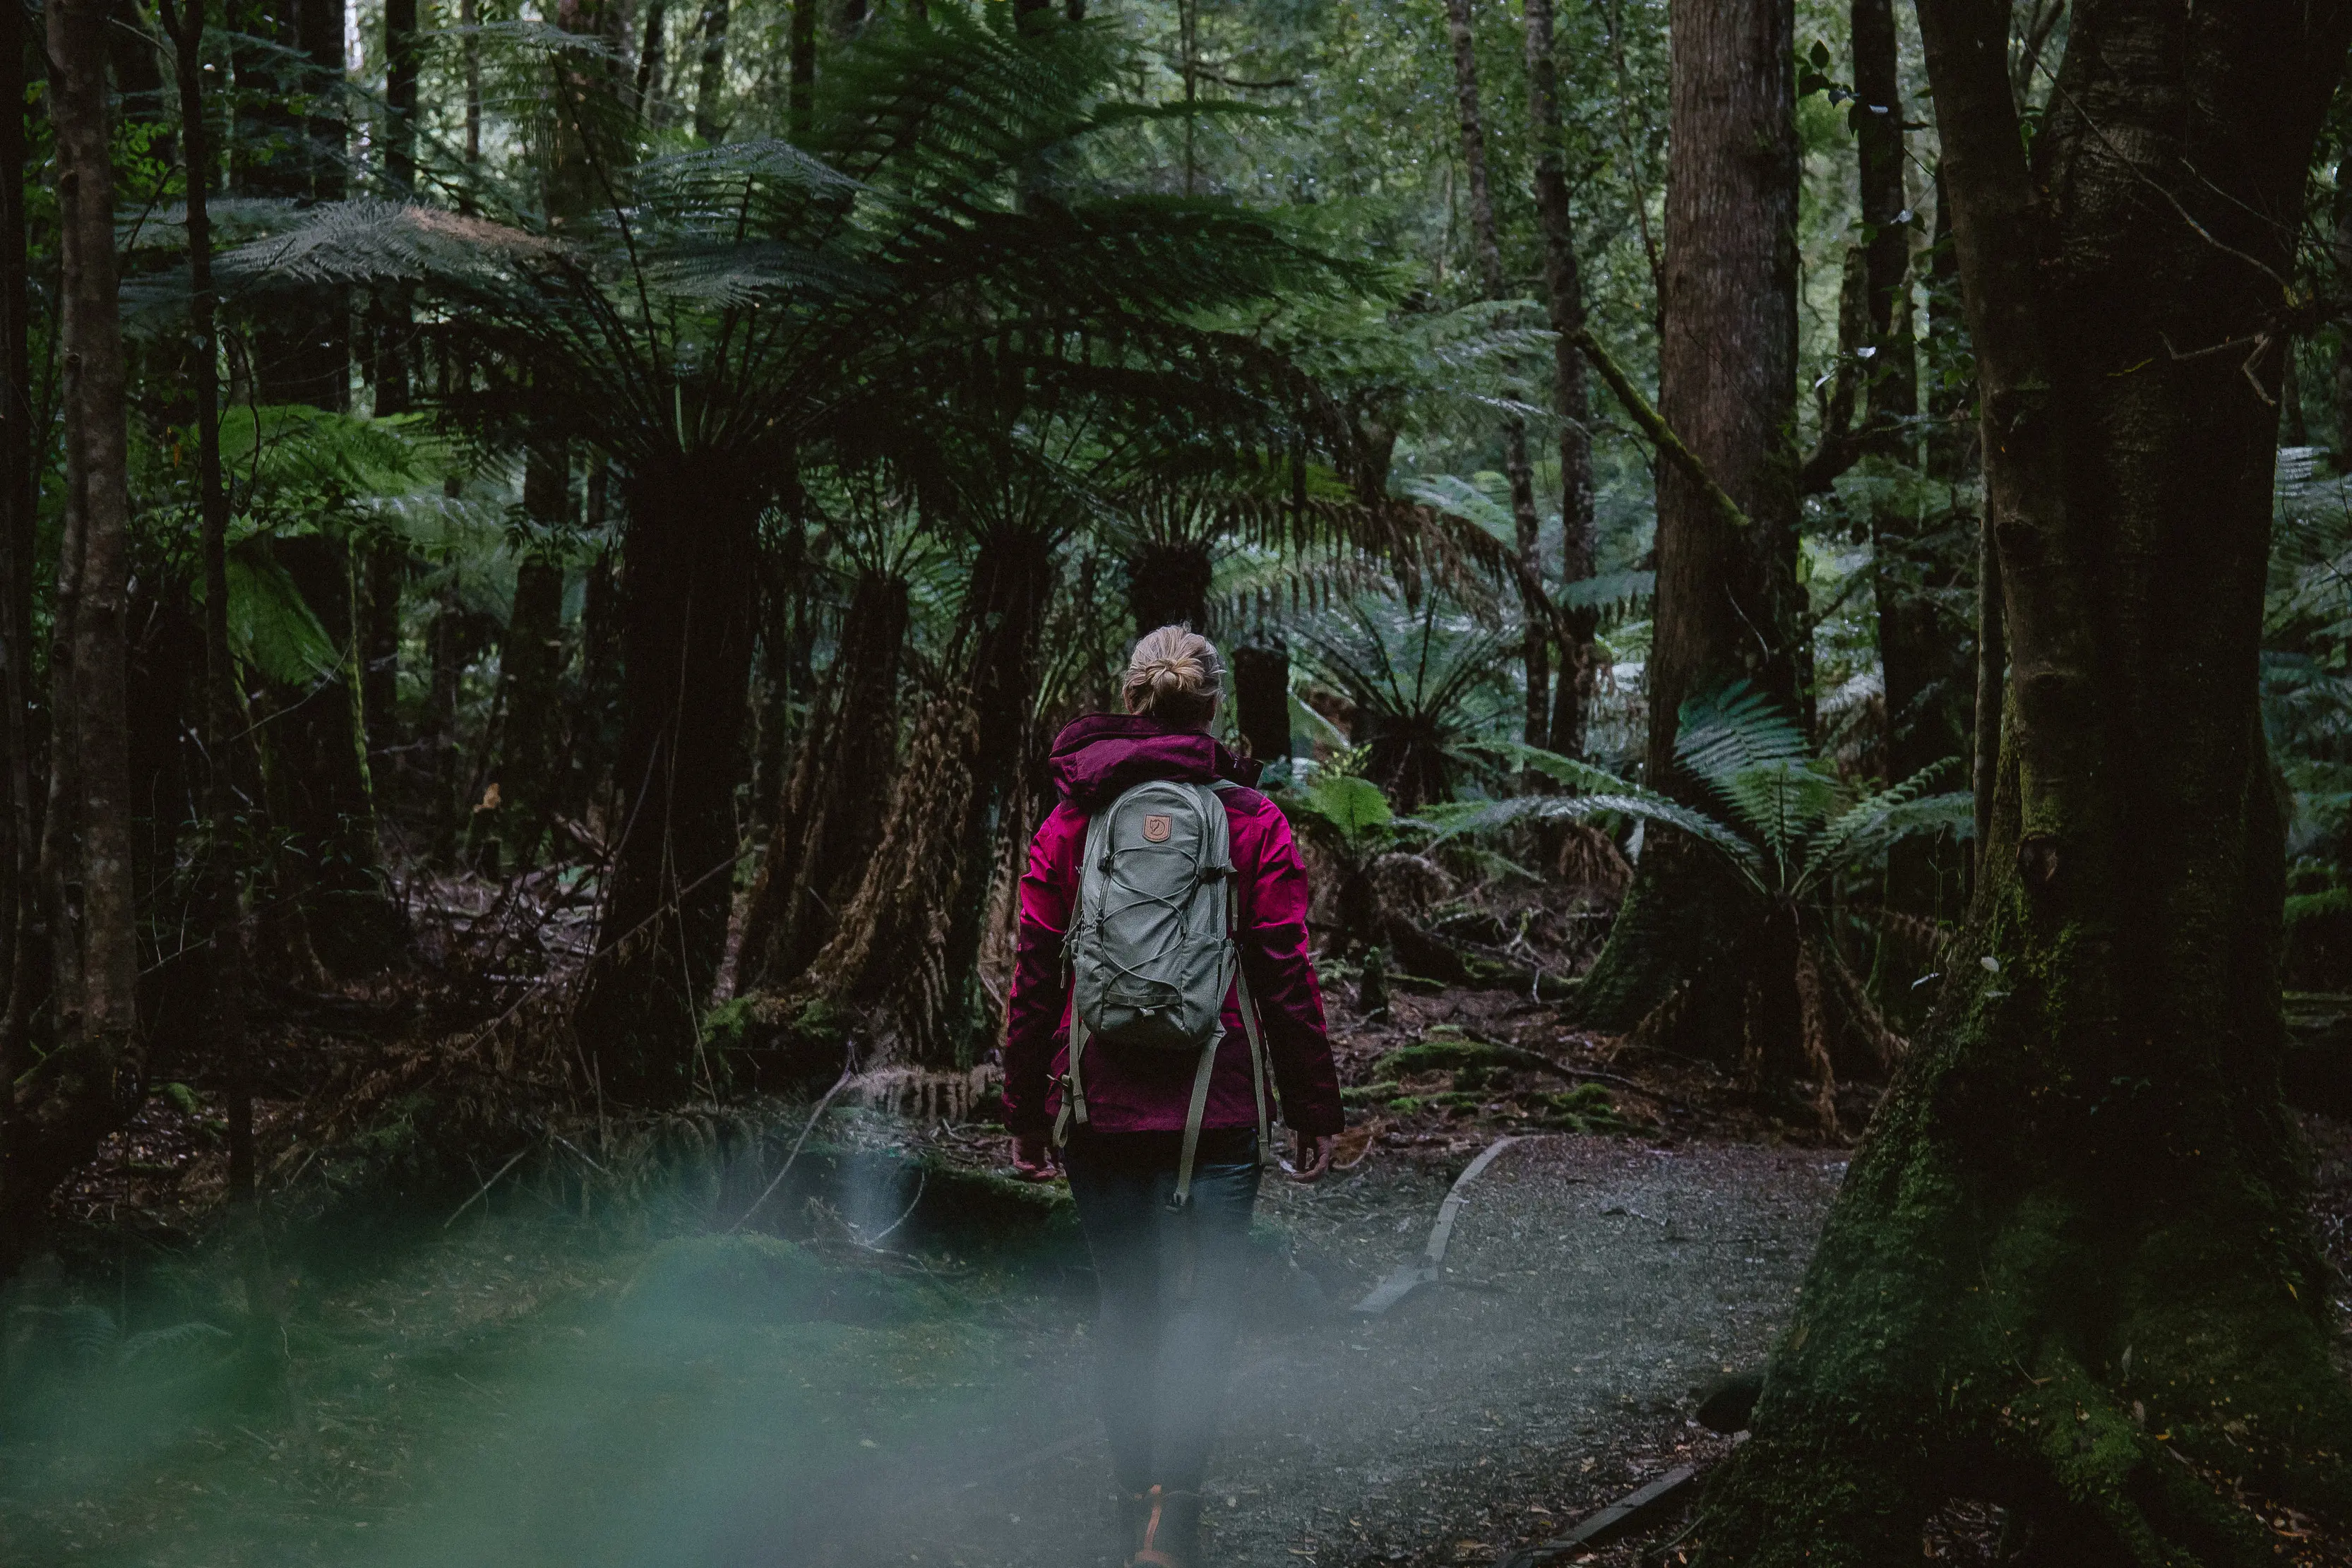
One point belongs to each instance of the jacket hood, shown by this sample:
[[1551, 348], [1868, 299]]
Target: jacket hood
[[1097, 757]]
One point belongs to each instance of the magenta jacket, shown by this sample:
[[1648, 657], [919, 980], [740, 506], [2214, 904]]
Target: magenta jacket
[[1095, 758]]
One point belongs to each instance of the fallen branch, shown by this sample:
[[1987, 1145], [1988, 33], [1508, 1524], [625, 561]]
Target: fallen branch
[[1661, 434], [848, 1071]]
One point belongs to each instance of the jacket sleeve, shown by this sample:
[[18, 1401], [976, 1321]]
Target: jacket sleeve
[[1039, 999], [1274, 953]]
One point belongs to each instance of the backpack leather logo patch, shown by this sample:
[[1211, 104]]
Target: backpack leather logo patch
[[1155, 829]]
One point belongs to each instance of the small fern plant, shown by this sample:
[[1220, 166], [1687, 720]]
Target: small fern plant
[[1786, 828], [1347, 818]]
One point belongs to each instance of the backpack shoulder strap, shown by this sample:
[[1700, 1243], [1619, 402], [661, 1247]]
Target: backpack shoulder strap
[[1250, 1025]]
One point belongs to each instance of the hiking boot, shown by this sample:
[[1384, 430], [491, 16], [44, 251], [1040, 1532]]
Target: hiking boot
[[1170, 1537]]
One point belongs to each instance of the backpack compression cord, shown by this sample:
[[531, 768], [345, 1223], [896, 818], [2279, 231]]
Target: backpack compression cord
[[1152, 952]]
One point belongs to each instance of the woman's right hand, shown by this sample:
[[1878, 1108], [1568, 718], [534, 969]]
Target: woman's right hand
[[1032, 1157]]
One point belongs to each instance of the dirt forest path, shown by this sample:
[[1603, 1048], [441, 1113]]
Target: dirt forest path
[[1590, 1283], [515, 1393]]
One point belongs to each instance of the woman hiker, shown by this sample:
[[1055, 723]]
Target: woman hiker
[[1169, 1236]]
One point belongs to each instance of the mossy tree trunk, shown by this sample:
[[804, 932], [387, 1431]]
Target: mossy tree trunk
[[687, 663], [2071, 1272], [829, 819], [1728, 598]]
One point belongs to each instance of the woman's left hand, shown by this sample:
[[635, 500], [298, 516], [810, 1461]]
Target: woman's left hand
[[1312, 1157], [1032, 1157]]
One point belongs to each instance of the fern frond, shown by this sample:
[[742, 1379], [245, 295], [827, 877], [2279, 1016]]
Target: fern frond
[[271, 626], [1899, 811], [1782, 803], [1568, 770], [1725, 733], [1643, 805]]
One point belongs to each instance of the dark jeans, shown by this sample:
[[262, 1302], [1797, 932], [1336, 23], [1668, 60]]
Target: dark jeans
[[1171, 1290]]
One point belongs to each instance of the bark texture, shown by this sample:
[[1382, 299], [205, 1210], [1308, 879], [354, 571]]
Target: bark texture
[[908, 950], [82, 1086], [529, 771], [1571, 396], [219, 894], [1728, 599], [20, 898], [710, 80], [829, 817], [2071, 1272], [687, 665], [1922, 653]]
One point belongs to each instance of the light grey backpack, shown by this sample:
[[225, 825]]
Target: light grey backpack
[[1151, 949]]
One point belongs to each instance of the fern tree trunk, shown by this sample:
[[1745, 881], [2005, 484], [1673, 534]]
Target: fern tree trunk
[[688, 571], [1727, 599], [2071, 1272], [1168, 584], [908, 950], [829, 817]]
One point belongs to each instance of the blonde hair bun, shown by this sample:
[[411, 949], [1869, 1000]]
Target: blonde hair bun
[[1174, 675]]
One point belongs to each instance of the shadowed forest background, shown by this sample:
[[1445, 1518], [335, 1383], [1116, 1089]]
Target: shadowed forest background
[[1788, 563]]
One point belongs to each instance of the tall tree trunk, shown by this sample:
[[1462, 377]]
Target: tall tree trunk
[[1535, 637], [334, 900], [531, 664], [596, 728], [528, 769], [653, 58], [20, 901], [2343, 217], [801, 101], [469, 22], [403, 57], [292, 148], [829, 817], [80, 1089], [1926, 679], [219, 899], [908, 944], [2071, 1272], [1564, 301], [96, 423], [387, 563], [1728, 599], [712, 80], [687, 663]]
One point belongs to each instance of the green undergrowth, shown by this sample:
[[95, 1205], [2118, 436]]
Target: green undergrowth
[[1478, 1074], [582, 1366]]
